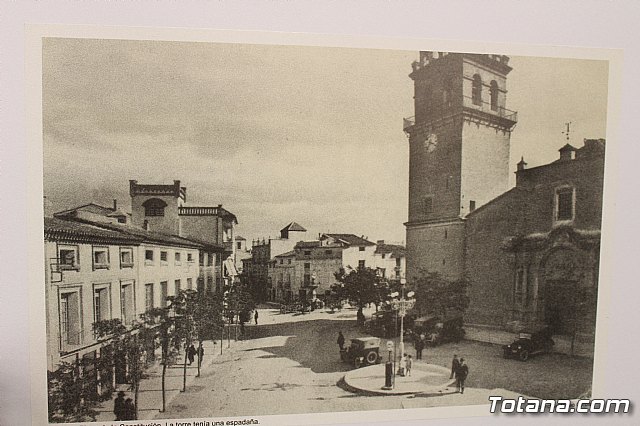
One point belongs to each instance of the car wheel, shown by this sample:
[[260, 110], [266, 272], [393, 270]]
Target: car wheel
[[524, 355], [372, 358]]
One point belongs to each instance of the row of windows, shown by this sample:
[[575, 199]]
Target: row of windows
[[149, 256], [69, 257], [71, 331]]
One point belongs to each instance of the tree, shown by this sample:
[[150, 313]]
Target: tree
[[70, 396], [161, 323], [128, 344], [183, 305], [360, 287], [240, 301], [438, 295], [207, 319]]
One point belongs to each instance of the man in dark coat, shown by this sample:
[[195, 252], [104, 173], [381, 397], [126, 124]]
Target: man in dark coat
[[255, 317], [191, 353], [463, 372], [454, 366], [118, 406], [340, 340], [419, 346]]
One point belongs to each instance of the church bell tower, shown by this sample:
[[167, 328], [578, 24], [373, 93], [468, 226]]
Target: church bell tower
[[458, 152]]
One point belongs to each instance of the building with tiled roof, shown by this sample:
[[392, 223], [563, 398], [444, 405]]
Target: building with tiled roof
[[349, 239]]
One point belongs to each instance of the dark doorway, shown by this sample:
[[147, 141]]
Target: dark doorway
[[560, 306]]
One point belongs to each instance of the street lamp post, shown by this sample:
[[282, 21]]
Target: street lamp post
[[402, 305]]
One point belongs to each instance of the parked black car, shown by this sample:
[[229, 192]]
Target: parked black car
[[529, 343]]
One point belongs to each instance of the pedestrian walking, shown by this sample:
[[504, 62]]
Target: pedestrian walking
[[129, 410], [118, 406], [419, 345], [255, 317], [409, 365], [341, 340], [463, 372], [455, 363], [191, 353]]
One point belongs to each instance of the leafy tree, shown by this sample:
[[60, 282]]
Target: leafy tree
[[70, 397], [207, 319], [240, 300], [438, 295], [128, 344], [360, 287], [161, 322]]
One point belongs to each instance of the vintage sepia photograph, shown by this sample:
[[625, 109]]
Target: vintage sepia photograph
[[238, 229]]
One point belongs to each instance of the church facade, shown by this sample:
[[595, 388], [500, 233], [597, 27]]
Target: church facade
[[530, 253]]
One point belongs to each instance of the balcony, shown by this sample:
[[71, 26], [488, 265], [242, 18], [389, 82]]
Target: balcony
[[430, 112], [486, 107]]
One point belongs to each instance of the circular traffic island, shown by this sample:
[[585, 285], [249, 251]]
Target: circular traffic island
[[424, 379]]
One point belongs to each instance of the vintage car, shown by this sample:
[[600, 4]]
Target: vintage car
[[362, 351], [529, 343], [438, 330], [386, 324]]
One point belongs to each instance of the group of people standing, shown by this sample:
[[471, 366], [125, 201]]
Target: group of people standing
[[459, 370], [124, 408]]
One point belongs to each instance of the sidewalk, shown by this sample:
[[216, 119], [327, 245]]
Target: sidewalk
[[150, 393]]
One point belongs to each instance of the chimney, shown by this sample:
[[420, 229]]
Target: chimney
[[521, 164]]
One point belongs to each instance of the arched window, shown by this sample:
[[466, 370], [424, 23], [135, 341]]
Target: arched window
[[494, 95], [476, 90], [154, 207]]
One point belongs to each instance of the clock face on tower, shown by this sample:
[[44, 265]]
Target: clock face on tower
[[431, 142]]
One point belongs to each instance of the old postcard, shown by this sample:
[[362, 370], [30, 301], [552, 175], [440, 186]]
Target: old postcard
[[260, 228]]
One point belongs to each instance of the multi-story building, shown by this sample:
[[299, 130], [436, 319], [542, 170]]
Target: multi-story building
[[390, 260], [308, 271], [101, 271], [163, 208], [264, 251], [531, 253], [103, 263], [242, 252]]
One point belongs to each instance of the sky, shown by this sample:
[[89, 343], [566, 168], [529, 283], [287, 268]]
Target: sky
[[273, 133]]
